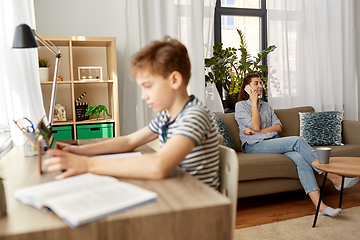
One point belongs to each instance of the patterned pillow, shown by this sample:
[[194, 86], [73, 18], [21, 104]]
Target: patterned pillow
[[223, 130], [321, 128]]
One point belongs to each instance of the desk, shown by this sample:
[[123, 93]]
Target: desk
[[186, 209]]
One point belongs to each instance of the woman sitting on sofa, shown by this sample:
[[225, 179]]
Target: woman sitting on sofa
[[259, 127]]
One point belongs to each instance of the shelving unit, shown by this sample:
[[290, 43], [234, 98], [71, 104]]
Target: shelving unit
[[83, 52]]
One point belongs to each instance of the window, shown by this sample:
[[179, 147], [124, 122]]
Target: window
[[247, 15]]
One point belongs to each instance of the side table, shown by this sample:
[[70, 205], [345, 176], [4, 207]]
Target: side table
[[343, 166]]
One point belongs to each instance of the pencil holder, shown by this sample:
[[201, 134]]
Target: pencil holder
[[30, 144]]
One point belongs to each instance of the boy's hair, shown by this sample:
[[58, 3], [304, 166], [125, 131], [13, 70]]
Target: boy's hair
[[162, 58]]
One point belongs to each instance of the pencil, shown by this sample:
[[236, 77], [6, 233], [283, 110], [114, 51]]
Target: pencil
[[19, 126]]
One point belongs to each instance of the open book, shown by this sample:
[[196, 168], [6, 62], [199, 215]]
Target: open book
[[85, 198]]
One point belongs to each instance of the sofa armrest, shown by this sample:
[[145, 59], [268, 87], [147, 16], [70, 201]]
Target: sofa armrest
[[350, 132], [221, 140]]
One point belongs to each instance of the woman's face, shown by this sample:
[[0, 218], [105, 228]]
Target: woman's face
[[256, 85]]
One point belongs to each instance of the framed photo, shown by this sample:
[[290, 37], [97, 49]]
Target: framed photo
[[90, 73]]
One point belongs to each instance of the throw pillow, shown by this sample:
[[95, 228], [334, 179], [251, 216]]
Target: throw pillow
[[321, 128], [223, 130]]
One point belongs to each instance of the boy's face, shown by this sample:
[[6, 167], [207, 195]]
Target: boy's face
[[156, 90]]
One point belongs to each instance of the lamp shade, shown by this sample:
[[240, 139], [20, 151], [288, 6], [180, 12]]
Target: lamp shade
[[24, 37]]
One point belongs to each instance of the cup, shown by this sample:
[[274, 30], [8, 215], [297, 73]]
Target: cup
[[323, 154]]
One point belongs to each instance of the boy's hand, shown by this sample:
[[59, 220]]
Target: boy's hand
[[69, 148], [72, 164]]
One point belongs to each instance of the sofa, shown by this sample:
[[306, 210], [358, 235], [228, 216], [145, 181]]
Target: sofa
[[261, 173]]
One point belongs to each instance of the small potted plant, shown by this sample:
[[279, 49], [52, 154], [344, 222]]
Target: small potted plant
[[44, 69], [228, 69], [2, 199]]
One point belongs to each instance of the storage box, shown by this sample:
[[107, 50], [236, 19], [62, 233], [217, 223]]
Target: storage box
[[90, 131], [62, 132]]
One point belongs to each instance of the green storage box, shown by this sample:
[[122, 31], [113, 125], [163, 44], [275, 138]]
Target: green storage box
[[90, 131], [62, 132]]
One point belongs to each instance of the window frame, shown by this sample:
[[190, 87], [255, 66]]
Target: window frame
[[243, 12]]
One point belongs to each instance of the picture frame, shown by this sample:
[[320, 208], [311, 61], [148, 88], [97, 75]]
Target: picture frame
[[90, 73]]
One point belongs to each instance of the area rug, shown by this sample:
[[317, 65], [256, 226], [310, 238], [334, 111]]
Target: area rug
[[345, 226]]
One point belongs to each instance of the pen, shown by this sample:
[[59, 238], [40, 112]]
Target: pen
[[18, 126]]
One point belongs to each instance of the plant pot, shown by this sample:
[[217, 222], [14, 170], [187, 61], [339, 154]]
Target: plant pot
[[2, 200], [231, 100], [44, 74]]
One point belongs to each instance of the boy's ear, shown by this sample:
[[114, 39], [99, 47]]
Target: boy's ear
[[176, 79]]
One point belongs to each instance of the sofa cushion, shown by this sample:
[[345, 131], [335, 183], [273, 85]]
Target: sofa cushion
[[289, 118], [223, 130], [229, 119], [347, 150], [321, 128], [253, 166]]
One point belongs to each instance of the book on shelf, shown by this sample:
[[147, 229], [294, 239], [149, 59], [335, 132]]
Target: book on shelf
[[85, 198]]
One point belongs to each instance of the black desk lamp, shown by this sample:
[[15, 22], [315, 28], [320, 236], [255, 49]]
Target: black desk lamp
[[25, 38]]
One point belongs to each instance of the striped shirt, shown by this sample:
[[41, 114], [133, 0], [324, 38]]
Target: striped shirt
[[195, 122]]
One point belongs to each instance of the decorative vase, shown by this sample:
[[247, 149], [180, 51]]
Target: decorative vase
[[44, 74], [2, 200]]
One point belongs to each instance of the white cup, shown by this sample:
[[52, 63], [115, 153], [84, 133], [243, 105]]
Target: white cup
[[323, 154]]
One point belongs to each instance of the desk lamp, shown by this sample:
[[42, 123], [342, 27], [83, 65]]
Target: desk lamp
[[25, 38]]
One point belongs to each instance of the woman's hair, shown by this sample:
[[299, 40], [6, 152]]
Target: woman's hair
[[243, 95], [162, 58]]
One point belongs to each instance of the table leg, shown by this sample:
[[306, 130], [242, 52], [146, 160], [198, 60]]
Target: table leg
[[318, 206], [342, 190]]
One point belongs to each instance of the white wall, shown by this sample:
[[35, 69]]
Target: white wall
[[85, 18]]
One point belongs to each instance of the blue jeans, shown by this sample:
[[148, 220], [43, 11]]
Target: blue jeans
[[295, 148]]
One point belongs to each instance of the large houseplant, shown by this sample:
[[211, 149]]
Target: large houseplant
[[228, 69]]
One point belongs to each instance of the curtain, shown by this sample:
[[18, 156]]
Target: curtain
[[19, 74], [314, 63], [191, 22]]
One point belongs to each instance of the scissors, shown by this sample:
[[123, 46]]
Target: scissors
[[29, 129]]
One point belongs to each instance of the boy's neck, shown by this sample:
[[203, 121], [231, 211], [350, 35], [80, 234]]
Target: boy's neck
[[178, 105]]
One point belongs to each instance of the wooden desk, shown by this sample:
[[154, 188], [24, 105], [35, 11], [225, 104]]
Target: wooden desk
[[186, 209]]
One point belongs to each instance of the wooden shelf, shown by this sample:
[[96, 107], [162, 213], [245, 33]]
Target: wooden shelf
[[80, 51]]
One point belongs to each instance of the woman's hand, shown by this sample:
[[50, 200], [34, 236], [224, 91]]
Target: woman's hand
[[253, 96], [248, 131], [73, 164]]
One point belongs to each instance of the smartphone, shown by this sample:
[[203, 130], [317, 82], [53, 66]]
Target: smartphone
[[248, 89]]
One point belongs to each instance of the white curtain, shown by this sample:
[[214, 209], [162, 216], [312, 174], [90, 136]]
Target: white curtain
[[19, 74], [314, 63], [191, 22]]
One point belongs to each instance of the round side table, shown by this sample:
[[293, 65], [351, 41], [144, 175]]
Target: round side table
[[343, 166]]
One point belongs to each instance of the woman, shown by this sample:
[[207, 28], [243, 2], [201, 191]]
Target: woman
[[259, 127]]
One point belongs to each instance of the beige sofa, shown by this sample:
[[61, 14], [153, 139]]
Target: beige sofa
[[261, 173]]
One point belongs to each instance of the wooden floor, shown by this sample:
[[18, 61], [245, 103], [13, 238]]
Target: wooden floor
[[259, 210]]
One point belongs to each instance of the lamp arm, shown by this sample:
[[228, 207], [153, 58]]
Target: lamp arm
[[53, 91], [51, 47]]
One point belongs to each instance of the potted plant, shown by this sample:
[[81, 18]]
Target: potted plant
[[44, 69], [228, 69], [2, 199]]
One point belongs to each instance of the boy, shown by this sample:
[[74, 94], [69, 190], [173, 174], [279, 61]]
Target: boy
[[187, 134]]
